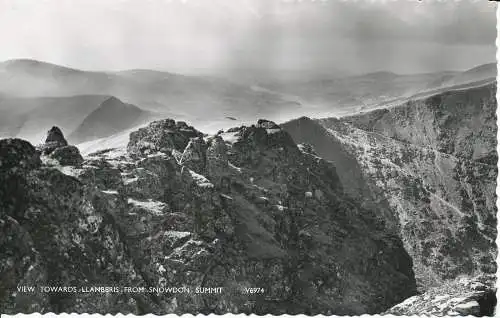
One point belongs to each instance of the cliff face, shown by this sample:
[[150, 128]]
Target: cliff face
[[434, 162], [245, 208]]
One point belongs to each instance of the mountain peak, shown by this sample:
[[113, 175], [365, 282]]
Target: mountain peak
[[114, 104], [112, 100], [267, 124], [483, 67], [489, 69], [22, 61], [111, 117], [56, 147], [32, 65]]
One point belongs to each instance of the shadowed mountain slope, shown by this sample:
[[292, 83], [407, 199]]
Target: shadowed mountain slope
[[111, 117], [434, 161], [30, 118], [85, 117]]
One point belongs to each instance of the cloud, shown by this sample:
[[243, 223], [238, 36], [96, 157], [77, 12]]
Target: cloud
[[218, 35], [449, 22]]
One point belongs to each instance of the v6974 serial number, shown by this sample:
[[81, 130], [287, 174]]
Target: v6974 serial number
[[253, 290]]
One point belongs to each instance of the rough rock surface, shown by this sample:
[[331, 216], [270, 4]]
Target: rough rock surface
[[430, 167], [461, 297], [17, 154], [264, 213], [161, 136], [67, 156], [56, 150], [54, 140]]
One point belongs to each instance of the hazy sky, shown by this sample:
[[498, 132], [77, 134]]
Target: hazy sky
[[216, 36]]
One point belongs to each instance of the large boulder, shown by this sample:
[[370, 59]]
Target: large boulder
[[160, 136], [67, 156], [18, 153], [56, 147], [55, 139], [267, 134], [267, 124], [253, 141], [18, 158]]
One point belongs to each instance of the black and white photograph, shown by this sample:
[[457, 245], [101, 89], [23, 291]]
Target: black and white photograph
[[282, 157]]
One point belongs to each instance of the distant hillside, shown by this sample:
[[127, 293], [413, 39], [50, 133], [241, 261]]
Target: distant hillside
[[84, 117], [485, 71], [190, 97], [36, 94], [30, 118], [39, 68], [30, 78], [348, 95], [111, 117]]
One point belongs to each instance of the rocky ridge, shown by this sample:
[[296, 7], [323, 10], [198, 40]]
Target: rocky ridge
[[429, 166], [247, 207]]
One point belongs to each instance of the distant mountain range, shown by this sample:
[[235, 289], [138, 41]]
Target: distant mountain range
[[348, 95], [30, 118], [35, 95], [85, 116], [195, 97]]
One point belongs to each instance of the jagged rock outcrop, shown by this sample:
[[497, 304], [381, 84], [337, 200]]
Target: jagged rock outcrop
[[161, 136], [194, 155], [55, 139], [432, 164], [67, 156], [266, 214], [56, 232], [17, 154], [56, 148], [267, 124], [461, 297], [218, 168]]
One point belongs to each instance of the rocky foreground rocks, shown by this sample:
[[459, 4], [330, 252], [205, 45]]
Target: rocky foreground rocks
[[176, 208], [465, 296], [55, 139], [56, 148]]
